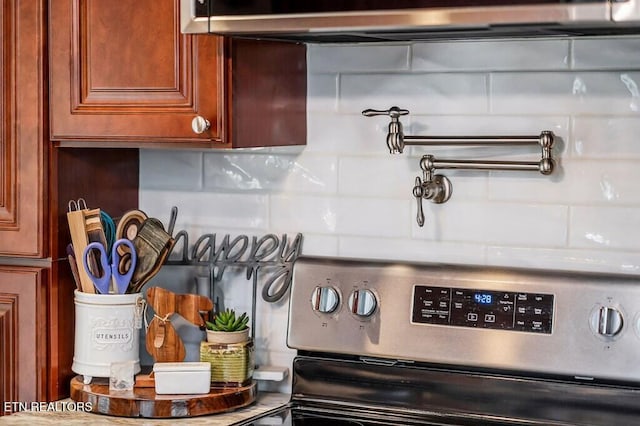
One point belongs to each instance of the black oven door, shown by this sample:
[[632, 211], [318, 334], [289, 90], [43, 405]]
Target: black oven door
[[333, 415]]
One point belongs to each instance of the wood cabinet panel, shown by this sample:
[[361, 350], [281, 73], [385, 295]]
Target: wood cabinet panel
[[23, 324], [121, 71], [132, 79], [8, 339], [21, 129], [267, 86], [102, 49], [7, 141]]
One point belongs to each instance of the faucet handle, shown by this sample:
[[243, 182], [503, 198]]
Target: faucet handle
[[393, 112], [395, 134], [418, 192], [437, 189]]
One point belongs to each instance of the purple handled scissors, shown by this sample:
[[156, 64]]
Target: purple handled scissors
[[110, 271]]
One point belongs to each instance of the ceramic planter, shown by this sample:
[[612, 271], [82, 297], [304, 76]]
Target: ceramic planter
[[232, 364], [228, 337]]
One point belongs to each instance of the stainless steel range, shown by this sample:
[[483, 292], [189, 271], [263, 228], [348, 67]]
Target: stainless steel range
[[397, 343]]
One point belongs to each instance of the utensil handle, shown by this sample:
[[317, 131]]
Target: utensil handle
[[122, 280]]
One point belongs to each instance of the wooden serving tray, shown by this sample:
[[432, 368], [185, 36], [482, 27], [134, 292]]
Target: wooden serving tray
[[143, 402]]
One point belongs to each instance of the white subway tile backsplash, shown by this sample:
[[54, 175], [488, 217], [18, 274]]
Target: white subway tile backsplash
[[180, 170], [350, 216], [272, 330], [319, 245], [606, 137], [558, 92], [490, 55], [322, 93], [350, 198], [346, 58], [232, 290], [411, 250], [606, 53], [467, 185], [614, 183], [208, 209], [455, 93], [605, 228], [525, 187], [510, 224], [574, 182], [614, 262], [475, 125], [270, 172], [388, 176], [384, 217], [346, 134], [303, 214]]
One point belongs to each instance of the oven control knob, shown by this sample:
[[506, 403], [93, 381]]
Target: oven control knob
[[363, 303], [609, 321], [325, 299]]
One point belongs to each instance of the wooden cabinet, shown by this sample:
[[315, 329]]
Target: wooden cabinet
[[36, 182], [24, 290], [21, 188], [122, 74], [23, 337]]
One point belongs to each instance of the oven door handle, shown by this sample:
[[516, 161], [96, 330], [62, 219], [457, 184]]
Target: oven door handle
[[379, 361]]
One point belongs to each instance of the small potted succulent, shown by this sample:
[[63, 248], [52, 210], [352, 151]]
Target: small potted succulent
[[228, 349], [226, 328]]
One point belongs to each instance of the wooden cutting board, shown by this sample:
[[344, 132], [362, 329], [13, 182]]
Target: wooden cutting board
[[143, 402], [163, 342]]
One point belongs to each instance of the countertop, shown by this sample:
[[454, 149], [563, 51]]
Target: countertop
[[265, 402]]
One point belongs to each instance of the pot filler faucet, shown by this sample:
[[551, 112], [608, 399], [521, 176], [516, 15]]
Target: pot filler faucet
[[436, 187]]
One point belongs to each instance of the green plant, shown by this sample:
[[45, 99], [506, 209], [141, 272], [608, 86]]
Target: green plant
[[227, 321]]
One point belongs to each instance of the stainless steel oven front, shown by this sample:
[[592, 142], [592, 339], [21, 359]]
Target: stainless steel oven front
[[406, 343]]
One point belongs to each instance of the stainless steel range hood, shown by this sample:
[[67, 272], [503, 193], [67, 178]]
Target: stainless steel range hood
[[572, 18]]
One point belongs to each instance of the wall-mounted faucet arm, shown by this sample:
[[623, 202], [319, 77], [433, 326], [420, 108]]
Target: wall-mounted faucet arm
[[437, 188], [395, 134], [544, 166], [542, 139], [397, 140]]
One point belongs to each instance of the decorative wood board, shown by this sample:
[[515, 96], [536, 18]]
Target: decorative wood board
[[144, 402]]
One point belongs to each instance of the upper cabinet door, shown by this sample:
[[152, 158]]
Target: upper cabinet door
[[122, 73], [21, 129]]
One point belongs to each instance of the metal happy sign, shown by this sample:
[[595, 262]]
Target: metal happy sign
[[270, 254]]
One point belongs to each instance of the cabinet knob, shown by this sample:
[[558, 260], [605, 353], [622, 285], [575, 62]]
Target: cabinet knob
[[200, 124]]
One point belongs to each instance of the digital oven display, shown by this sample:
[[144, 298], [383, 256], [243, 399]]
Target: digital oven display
[[503, 310], [483, 298]]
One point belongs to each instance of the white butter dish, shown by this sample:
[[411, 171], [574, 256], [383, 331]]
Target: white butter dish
[[182, 377]]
